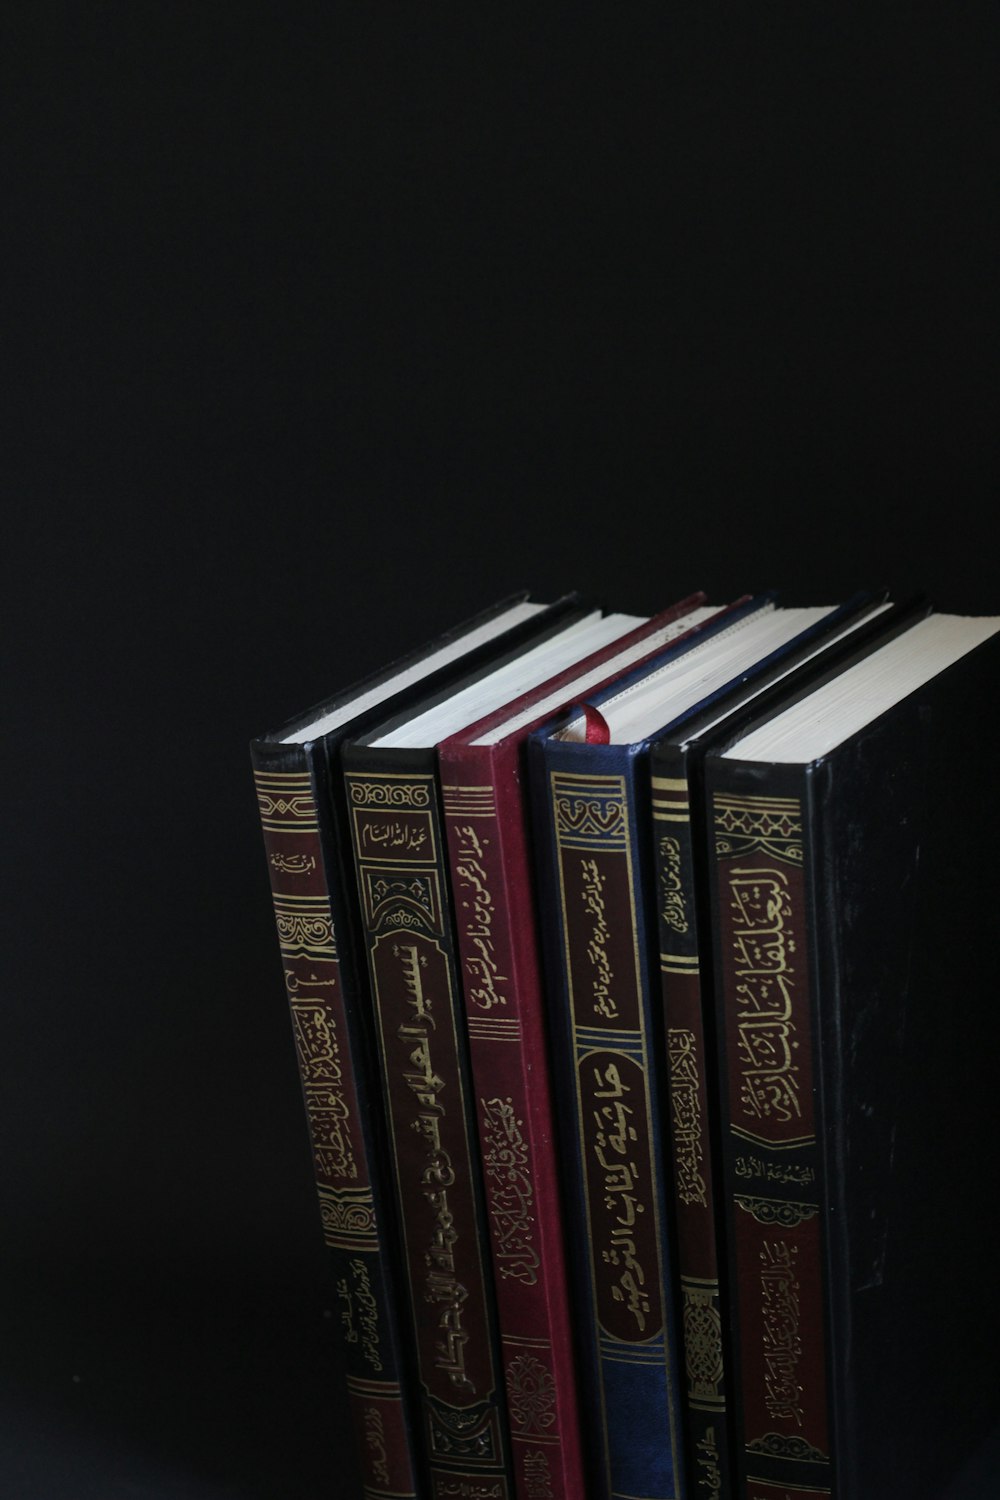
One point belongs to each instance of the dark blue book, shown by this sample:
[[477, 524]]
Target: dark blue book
[[591, 791]]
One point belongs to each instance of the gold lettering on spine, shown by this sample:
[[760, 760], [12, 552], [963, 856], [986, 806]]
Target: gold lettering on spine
[[359, 1313], [375, 1439], [792, 1174], [782, 1341], [707, 1464], [509, 1190], [442, 1286], [685, 1105], [597, 947], [320, 1063], [485, 978], [764, 946], [293, 864], [612, 1141], [537, 1475], [671, 891]]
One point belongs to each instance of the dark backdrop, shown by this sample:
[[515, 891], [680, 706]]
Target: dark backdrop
[[323, 326]]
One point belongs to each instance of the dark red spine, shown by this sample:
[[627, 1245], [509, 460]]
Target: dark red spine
[[773, 1165], [328, 1049], [489, 861], [691, 1104], [402, 883]]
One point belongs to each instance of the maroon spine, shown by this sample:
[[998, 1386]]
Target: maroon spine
[[325, 1048], [694, 1190], [770, 1150], [489, 860], [402, 883]]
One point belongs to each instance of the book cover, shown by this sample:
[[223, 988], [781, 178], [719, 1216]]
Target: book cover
[[854, 895], [399, 843], [486, 823], [594, 866], [684, 927], [307, 845]]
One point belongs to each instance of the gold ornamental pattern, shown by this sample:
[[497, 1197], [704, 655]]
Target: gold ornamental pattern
[[531, 1397], [703, 1344], [286, 802], [305, 926], [348, 1216], [770, 825], [391, 791], [776, 1211]]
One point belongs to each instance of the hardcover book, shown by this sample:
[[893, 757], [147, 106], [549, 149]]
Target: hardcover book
[[684, 929], [307, 846], [590, 775], [483, 775], [854, 889], [397, 832]]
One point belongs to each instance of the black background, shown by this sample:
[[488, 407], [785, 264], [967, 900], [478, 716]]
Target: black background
[[324, 326]]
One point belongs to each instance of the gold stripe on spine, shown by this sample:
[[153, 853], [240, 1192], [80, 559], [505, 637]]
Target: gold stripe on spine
[[678, 963], [493, 1028], [469, 801], [589, 811], [362, 1387], [670, 800], [286, 802], [348, 1216], [777, 1484]]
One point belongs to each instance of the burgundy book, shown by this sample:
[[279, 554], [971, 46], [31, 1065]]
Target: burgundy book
[[397, 833], [304, 821], [489, 857]]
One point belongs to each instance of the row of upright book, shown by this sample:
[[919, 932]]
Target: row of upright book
[[641, 980]]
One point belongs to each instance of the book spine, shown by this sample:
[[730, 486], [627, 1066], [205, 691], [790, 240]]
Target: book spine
[[691, 1134], [773, 1178], [495, 929], [337, 1091], [609, 1062], [397, 832]]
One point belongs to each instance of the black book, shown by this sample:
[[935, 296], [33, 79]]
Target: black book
[[392, 790], [850, 852], [683, 924], [307, 842]]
